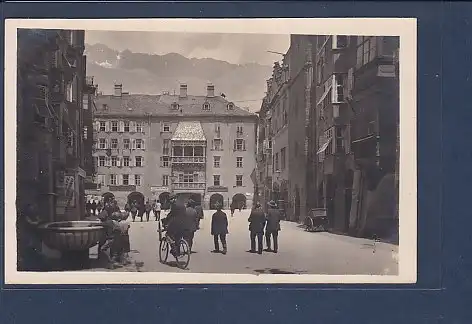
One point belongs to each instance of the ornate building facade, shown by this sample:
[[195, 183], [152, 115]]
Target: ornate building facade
[[148, 146]]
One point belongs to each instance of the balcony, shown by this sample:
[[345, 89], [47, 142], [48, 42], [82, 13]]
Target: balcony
[[188, 159], [189, 185]]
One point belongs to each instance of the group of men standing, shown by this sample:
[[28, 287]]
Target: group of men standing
[[139, 209], [260, 221]]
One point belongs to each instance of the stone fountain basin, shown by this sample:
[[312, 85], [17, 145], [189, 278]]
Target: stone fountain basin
[[72, 235]]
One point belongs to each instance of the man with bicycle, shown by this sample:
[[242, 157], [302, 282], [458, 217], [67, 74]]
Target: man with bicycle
[[175, 222]]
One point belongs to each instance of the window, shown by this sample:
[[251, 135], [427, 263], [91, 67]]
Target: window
[[126, 161], [239, 130], [101, 161], [114, 143], [239, 181], [282, 158], [137, 179], [329, 135], [139, 128], [217, 145], [85, 132], [85, 102], [126, 144], [175, 106], [139, 161], [339, 140], [103, 126], [276, 162], [166, 127], [239, 162], [113, 179], [125, 179], [102, 144], [165, 180], [216, 161], [230, 106], [165, 147], [165, 161], [338, 88], [340, 42], [114, 160], [114, 126], [139, 144], [126, 126], [216, 180], [188, 177], [239, 145], [366, 50], [206, 106]]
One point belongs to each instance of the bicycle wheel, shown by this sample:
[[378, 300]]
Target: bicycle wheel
[[183, 258], [164, 248], [308, 223]]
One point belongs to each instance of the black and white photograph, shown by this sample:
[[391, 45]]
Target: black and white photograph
[[210, 151]]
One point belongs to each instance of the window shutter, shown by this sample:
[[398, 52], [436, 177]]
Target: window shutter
[[121, 127], [143, 143], [234, 145], [133, 144], [107, 126], [142, 161], [161, 161], [334, 89], [131, 179], [244, 145]]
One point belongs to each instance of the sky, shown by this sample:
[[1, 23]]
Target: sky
[[233, 48]]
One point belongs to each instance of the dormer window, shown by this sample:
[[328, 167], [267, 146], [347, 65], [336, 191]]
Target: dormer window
[[175, 106], [230, 106], [206, 106]]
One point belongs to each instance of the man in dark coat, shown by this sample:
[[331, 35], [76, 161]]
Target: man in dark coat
[[147, 208], [175, 222], [219, 228], [273, 226], [199, 210], [93, 206], [256, 228], [191, 223]]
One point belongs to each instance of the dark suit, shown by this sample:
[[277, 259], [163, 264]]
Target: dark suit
[[273, 228], [219, 229], [191, 225], [256, 228]]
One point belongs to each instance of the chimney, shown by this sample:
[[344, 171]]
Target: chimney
[[118, 90], [183, 90], [210, 90]]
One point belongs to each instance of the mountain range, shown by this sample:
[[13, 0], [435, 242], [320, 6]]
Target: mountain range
[[244, 84]]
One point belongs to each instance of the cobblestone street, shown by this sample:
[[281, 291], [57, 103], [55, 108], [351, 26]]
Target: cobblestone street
[[300, 252]]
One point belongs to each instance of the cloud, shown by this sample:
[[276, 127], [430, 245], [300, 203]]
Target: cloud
[[233, 48]]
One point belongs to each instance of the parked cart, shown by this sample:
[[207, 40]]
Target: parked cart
[[316, 221]]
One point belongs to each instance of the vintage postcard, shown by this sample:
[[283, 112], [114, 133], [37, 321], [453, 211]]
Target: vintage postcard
[[186, 151]]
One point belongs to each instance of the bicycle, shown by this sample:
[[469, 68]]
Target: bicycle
[[182, 255]]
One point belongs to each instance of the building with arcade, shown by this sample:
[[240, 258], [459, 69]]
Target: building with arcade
[[147, 146]]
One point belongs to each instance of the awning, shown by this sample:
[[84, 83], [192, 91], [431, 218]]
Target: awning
[[324, 94], [324, 146]]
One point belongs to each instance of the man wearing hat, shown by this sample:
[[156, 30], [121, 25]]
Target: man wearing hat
[[191, 223], [273, 226], [175, 220], [256, 228], [219, 228]]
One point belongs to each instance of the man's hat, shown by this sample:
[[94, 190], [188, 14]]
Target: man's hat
[[272, 204]]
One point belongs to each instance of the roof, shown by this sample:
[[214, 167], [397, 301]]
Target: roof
[[161, 105], [189, 131]]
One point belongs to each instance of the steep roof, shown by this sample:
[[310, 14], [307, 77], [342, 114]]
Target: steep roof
[[161, 105], [189, 131]]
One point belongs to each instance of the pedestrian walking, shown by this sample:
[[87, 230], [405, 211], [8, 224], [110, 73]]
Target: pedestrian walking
[[88, 207], [199, 210], [219, 228], [157, 210], [147, 208], [272, 226], [191, 223], [134, 210], [256, 228], [93, 206]]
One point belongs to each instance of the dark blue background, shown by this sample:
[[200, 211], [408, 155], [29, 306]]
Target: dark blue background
[[444, 171]]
